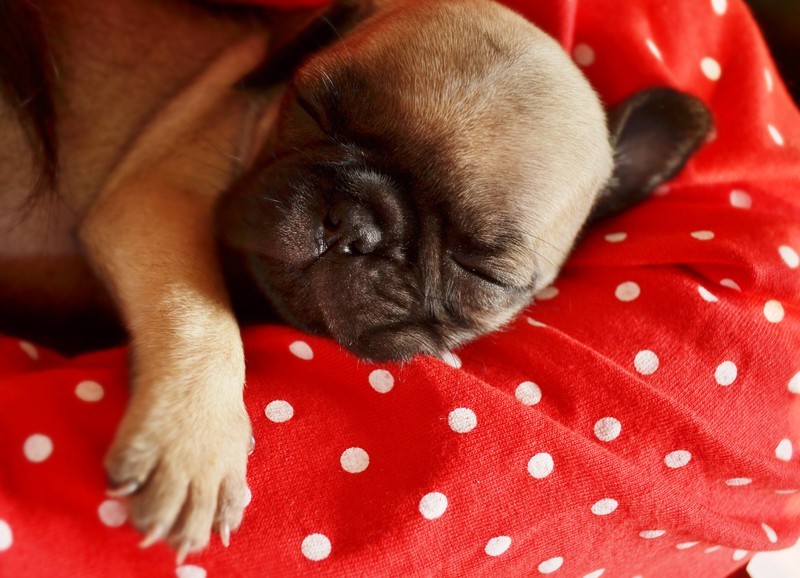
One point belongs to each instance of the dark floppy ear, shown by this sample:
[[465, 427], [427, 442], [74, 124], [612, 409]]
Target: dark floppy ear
[[653, 134]]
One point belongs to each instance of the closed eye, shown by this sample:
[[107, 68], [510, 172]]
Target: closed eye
[[477, 266]]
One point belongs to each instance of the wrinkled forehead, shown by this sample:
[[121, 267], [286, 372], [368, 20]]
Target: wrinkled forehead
[[430, 61]]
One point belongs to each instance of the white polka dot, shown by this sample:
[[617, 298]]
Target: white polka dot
[[541, 465], [677, 459], [739, 555], [451, 359], [768, 80], [784, 450], [497, 546], [6, 536], [733, 482], [794, 383], [547, 293], [381, 381], [90, 391], [190, 571], [786, 492], [302, 350], [433, 505], [535, 323], [686, 545], [654, 49], [730, 284], [707, 295], [740, 199], [595, 574], [583, 55], [773, 311], [529, 393], [616, 237], [646, 362], [789, 256], [711, 68], [279, 411], [719, 6], [607, 429], [38, 447], [712, 549], [30, 349], [462, 420], [316, 547], [703, 235], [776, 135], [551, 565], [726, 373], [771, 535], [627, 291], [652, 534], [112, 513], [604, 507], [354, 460]]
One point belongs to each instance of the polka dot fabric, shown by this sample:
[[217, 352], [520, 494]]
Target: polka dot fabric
[[644, 419]]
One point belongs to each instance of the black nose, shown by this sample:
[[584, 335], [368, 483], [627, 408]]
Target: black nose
[[351, 229]]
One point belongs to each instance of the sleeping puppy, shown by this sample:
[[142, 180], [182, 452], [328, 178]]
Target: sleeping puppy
[[405, 190], [442, 160]]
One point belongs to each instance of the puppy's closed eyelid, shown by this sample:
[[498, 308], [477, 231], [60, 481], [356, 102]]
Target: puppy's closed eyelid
[[475, 265]]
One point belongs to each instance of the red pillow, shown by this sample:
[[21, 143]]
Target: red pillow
[[640, 418]]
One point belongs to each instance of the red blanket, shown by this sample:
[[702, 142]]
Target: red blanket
[[643, 417]]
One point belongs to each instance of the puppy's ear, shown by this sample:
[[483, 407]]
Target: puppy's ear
[[653, 134]]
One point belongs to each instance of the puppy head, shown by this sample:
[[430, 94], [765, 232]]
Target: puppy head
[[426, 176]]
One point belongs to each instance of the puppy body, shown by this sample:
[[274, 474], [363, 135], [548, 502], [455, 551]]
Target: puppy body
[[151, 129], [442, 160]]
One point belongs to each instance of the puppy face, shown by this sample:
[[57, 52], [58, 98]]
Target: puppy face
[[426, 177]]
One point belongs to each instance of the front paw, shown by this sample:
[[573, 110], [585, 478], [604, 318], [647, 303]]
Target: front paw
[[183, 465]]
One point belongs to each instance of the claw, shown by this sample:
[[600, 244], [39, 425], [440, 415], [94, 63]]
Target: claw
[[183, 551], [124, 490], [225, 535], [155, 534], [252, 445]]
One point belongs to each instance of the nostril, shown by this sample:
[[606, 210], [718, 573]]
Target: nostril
[[330, 232], [330, 224], [351, 229]]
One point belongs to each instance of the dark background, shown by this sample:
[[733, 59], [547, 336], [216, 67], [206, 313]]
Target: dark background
[[780, 23]]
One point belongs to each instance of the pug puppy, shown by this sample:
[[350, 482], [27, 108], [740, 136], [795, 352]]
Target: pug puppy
[[435, 163], [446, 180]]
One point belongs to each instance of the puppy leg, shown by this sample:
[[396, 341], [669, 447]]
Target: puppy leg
[[181, 449], [180, 452]]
